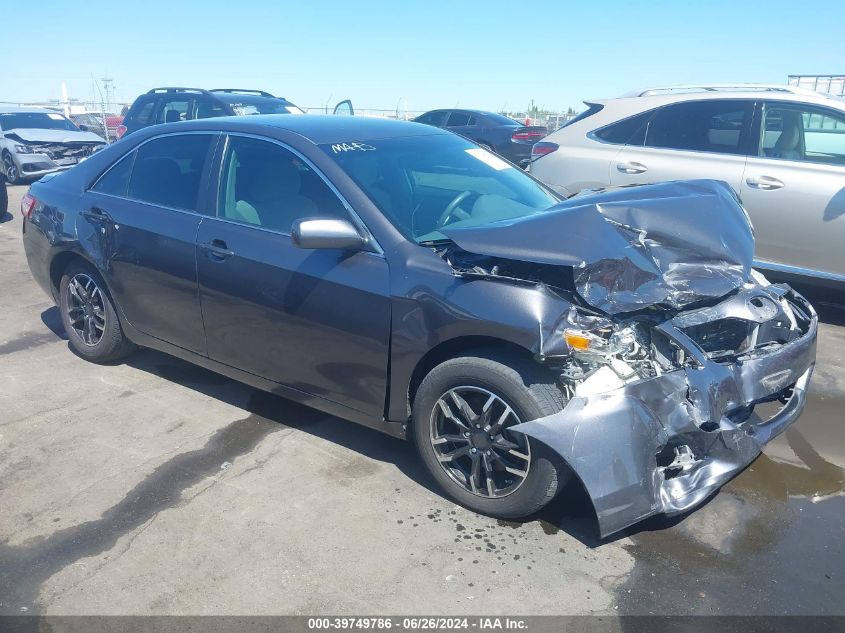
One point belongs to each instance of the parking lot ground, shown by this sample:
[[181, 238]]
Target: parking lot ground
[[155, 487]]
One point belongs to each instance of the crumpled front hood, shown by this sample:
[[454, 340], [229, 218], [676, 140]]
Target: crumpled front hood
[[38, 135], [671, 243]]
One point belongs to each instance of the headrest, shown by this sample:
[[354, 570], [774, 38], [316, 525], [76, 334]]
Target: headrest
[[790, 138], [171, 116]]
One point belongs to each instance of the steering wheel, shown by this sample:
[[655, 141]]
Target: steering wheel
[[452, 209]]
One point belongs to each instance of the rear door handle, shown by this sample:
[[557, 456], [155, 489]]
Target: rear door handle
[[631, 168], [766, 183], [97, 214], [217, 250]]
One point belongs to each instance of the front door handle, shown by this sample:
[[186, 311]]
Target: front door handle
[[766, 183], [217, 250], [631, 167]]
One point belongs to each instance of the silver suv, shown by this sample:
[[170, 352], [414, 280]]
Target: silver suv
[[782, 148]]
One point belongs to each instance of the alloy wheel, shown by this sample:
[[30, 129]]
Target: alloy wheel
[[11, 170], [86, 309], [470, 437]]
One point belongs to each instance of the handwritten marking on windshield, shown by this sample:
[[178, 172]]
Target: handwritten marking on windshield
[[337, 148]]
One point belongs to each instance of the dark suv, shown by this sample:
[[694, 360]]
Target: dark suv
[[169, 105]]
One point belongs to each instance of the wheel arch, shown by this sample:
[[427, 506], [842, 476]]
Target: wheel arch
[[59, 264], [453, 348]]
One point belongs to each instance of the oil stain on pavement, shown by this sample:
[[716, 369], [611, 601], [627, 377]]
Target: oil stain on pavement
[[23, 569]]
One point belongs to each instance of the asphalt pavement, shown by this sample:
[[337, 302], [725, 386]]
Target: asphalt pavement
[[155, 487]]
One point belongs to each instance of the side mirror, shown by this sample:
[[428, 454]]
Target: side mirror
[[326, 233], [83, 127]]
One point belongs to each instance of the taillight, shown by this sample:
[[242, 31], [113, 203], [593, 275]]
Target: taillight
[[120, 131], [527, 136], [541, 149], [27, 205]]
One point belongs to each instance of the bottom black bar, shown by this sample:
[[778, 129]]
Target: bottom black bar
[[485, 624]]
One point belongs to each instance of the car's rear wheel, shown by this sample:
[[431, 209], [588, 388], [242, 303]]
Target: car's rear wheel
[[13, 174], [89, 316], [462, 415]]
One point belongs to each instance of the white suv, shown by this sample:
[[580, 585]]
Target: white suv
[[782, 148]]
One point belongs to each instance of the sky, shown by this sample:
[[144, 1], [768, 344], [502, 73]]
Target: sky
[[419, 55]]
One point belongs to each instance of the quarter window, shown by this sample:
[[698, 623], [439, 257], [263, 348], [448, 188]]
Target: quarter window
[[168, 170], [115, 181], [630, 131], [144, 111], [432, 118], [701, 126], [267, 185], [803, 133]]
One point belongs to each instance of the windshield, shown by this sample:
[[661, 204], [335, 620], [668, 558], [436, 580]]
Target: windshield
[[263, 106], [35, 120], [423, 183]]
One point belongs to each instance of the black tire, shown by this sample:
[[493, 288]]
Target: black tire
[[4, 197], [110, 344], [11, 170], [530, 392]]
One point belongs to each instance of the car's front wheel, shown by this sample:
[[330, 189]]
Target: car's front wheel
[[463, 414], [89, 316]]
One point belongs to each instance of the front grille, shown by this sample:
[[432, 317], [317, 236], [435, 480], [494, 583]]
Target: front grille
[[722, 337]]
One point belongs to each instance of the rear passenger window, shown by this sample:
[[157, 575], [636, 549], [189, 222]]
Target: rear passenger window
[[116, 180], [266, 185], [457, 119], [175, 110], [167, 170], [701, 126]]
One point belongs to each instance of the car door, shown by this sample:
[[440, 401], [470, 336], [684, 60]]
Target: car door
[[794, 188], [690, 139], [315, 320], [139, 223]]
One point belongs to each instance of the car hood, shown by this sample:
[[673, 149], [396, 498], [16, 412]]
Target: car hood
[[38, 135], [669, 244]]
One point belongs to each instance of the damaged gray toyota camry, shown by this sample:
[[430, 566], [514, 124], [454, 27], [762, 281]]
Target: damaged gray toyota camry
[[401, 277]]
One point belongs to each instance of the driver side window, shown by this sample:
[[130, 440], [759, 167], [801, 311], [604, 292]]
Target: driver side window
[[266, 185]]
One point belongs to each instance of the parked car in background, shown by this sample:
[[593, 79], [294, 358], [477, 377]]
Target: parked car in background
[[88, 122], [495, 132], [782, 148], [404, 278], [169, 105], [34, 142]]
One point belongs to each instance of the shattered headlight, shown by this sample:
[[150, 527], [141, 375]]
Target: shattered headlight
[[602, 354], [23, 149], [603, 342]]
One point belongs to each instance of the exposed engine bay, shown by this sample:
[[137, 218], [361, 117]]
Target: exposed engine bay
[[61, 153], [666, 349]]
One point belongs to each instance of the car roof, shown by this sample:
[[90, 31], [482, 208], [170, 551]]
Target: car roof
[[318, 128], [649, 101], [29, 110]]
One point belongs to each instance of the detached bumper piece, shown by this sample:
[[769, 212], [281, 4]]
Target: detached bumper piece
[[666, 443]]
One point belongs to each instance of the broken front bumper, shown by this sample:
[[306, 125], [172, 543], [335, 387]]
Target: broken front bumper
[[664, 444]]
